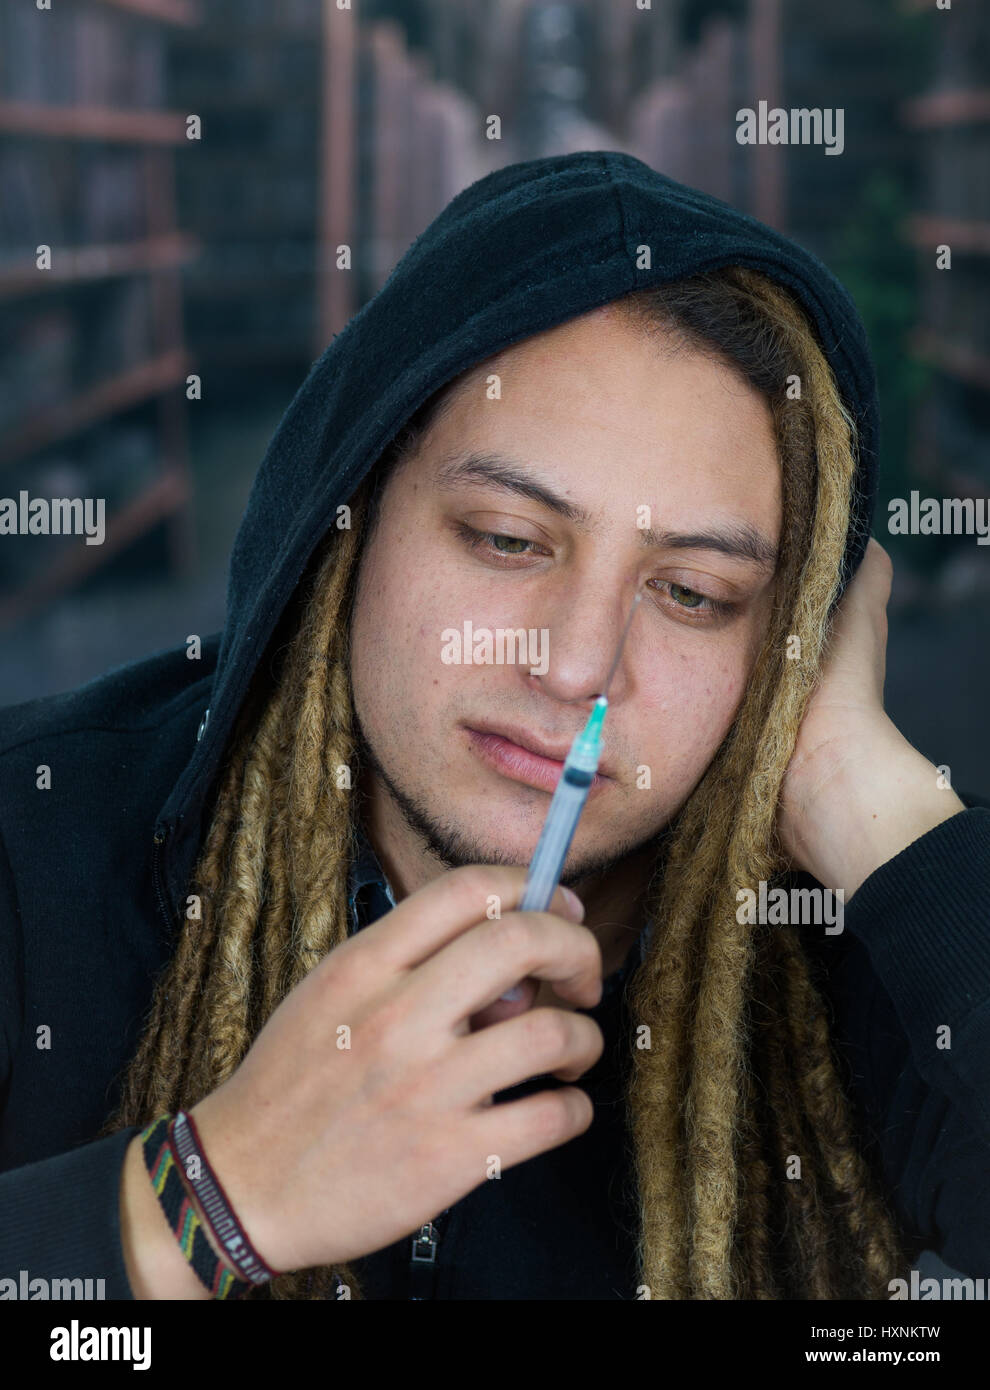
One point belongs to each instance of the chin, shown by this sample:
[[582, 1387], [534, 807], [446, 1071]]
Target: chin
[[492, 845]]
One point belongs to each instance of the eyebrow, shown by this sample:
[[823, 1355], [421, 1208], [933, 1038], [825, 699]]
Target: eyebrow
[[738, 540]]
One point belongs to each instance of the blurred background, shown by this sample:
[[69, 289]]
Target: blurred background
[[216, 258]]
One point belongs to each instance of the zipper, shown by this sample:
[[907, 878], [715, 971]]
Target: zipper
[[423, 1259], [156, 877]]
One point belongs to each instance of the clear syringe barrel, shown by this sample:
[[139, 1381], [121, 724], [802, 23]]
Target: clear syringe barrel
[[566, 805], [547, 865]]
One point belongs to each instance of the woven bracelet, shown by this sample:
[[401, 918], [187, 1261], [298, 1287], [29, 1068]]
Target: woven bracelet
[[181, 1214], [227, 1231]]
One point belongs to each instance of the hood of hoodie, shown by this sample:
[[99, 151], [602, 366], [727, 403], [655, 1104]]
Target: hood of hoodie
[[519, 251]]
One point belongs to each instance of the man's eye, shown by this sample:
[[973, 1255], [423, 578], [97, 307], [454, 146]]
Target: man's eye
[[690, 601], [684, 596], [491, 541], [495, 538]]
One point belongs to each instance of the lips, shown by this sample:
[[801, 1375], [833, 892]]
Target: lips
[[523, 757], [542, 747]]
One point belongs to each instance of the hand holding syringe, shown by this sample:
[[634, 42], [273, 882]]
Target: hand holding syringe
[[568, 802]]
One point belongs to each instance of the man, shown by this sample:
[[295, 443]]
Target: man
[[345, 1095]]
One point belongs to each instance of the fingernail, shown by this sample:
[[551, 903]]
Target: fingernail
[[516, 992], [574, 901]]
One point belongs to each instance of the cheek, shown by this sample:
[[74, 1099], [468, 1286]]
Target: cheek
[[399, 612], [696, 694], [722, 690]]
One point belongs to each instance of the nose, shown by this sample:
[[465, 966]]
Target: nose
[[584, 629]]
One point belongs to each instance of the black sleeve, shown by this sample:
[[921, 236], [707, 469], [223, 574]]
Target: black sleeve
[[59, 1217], [924, 921]]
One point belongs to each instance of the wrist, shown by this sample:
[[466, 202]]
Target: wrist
[[875, 807], [223, 1146], [156, 1267]]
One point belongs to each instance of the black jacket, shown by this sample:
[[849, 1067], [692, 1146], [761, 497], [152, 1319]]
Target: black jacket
[[94, 868]]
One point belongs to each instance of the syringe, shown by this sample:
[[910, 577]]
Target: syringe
[[569, 798]]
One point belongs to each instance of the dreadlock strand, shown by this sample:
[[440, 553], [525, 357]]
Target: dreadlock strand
[[659, 1000], [808, 1230], [880, 1255], [753, 1255], [228, 998], [321, 922]]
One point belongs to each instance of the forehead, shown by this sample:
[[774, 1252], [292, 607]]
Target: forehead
[[617, 417]]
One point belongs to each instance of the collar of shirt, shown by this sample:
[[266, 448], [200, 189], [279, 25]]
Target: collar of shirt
[[370, 897], [369, 894]]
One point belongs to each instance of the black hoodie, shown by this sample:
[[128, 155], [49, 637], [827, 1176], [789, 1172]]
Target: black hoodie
[[94, 869]]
